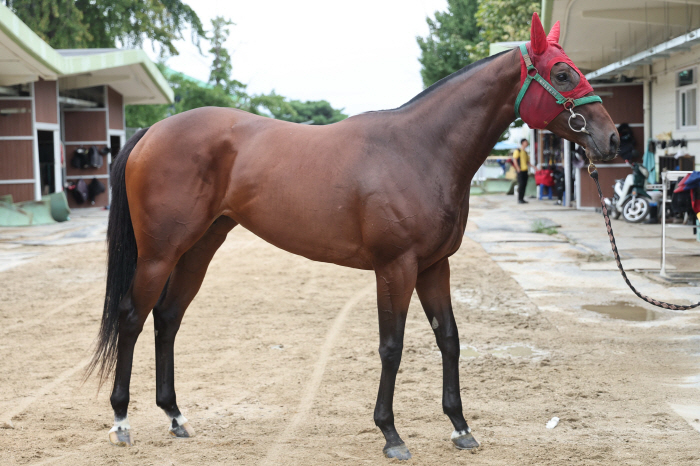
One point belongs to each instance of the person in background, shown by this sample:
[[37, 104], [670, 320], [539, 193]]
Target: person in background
[[521, 160]]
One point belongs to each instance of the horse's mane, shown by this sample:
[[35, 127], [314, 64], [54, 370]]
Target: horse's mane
[[444, 80]]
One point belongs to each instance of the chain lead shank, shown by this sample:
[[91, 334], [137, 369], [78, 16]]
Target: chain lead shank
[[674, 307]]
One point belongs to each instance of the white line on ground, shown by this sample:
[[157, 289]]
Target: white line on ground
[[55, 310], [27, 402], [314, 382]]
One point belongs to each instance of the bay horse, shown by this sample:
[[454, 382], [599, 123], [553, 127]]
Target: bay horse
[[386, 191]]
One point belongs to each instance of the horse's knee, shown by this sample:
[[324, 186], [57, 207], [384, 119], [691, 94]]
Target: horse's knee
[[390, 354]]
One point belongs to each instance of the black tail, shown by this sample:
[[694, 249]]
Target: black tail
[[121, 265]]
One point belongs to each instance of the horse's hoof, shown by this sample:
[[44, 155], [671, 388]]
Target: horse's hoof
[[464, 440], [182, 431], [400, 452], [121, 437]]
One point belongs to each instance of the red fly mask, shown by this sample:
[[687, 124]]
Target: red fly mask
[[539, 104]]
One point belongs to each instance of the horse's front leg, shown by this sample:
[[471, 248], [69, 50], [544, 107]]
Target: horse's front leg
[[395, 284], [433, 288]]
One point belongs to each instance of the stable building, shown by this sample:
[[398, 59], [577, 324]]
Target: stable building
[[643, 60], [55, 104]]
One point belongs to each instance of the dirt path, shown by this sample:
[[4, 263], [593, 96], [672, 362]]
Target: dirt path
[[276, 363]]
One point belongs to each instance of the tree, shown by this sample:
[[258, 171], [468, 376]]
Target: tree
[[190, 94], [462, 34], [221, 67], [313, 112], [502, 21], [106, 24], [444, 50]]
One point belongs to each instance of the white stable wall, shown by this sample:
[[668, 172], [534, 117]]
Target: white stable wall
[[663, 98]]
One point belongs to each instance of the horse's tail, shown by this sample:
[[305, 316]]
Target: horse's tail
[[121, 265]]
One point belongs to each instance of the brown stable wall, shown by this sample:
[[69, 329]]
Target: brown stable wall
[[85, 126], [45, 103], [20, 192], [626, 105], [116, 109], [101, 200], [607, 177], [16, 124], [16, 160]]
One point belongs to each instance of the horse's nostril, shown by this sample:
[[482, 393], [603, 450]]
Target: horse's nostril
[[614, 142]]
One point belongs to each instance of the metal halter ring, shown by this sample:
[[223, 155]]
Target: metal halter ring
[[591, 168], [574, 115]]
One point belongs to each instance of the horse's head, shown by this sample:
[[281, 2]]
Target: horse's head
[[555, 95]]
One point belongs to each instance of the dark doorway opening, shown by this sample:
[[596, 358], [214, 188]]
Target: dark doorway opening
[[47, 161], [115, 145]]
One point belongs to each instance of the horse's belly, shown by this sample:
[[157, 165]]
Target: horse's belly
[[320, 227]]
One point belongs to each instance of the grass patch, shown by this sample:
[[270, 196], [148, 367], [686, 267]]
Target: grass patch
[[538, 226]]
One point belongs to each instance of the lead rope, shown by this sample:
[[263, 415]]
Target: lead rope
[[675, 307]]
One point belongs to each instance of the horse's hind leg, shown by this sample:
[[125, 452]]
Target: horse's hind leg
[[395, 284], [181, 289], [433, 288], [149, 280]]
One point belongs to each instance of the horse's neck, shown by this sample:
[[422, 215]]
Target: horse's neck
[[468, 114]]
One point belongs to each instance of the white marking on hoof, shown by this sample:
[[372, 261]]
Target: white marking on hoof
[[120, 434], [460, 433], [180, 427], [180, 419], [121, 425]]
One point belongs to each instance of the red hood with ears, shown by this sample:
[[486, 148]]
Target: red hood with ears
[[538, 108]]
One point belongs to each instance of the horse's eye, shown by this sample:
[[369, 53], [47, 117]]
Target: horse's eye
[[562, 77]]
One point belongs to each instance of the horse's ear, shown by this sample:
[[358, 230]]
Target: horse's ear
[[553, 35], [538, 38]]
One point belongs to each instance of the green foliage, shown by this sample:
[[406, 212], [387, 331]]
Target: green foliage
[[444, 50], [103, 24], [221, 67], [190, 94], [538, 226], [502, 21], [319, 112], [142, 116], [462, 34], [59, 22], [314, 112], [106, 24]]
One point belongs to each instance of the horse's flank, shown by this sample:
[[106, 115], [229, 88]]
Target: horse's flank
[[336, 193]]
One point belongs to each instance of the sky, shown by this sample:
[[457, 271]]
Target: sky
[[360, 55]]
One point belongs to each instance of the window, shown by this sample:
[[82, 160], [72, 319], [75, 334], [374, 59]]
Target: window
[[686, 99]]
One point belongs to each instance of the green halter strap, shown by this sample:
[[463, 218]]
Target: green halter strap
[[568, 103]]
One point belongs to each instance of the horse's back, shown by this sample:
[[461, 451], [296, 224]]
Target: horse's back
[[290, 184]]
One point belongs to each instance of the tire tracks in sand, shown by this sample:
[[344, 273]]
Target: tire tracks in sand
[[314, 383]]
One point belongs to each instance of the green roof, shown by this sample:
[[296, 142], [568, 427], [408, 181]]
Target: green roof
[[52, 62]]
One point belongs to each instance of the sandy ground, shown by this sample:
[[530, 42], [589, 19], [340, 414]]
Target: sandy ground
[[277, 363]]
